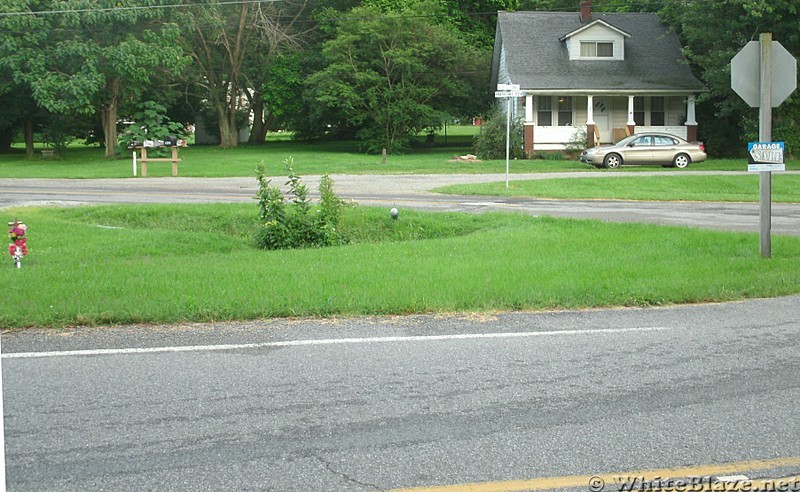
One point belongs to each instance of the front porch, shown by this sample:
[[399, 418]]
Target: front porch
[[554, 121]]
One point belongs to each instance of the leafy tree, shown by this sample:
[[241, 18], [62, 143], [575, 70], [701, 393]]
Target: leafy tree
[[230, 43], [277, 36], [87, 56], [474, 19], [712, 33], [283, 89], [597, 5], [393, 76], [20, 114]]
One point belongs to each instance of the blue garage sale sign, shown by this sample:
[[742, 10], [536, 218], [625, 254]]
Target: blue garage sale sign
[[765, 156]]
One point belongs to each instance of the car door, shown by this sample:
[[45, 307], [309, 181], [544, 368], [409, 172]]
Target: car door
[[639, 151], [664, 149]]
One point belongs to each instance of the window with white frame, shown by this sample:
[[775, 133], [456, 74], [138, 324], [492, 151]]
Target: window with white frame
[[544, 111], [657, 112], [564, 111], [649, 111], [597, 49], [554, 111], [638, 110]]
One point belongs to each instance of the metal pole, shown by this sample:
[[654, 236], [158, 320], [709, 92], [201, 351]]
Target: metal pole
[[508, 137], [765, 135]]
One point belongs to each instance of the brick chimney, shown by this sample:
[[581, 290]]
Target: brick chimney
[[586, 11]]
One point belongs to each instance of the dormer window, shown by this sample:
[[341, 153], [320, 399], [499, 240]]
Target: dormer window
[[597, 49], [597, 40]]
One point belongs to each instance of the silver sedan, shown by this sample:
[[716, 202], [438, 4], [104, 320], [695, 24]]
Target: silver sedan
[[646, 148]]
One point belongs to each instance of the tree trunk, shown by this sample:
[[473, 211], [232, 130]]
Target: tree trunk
[[29, 137], [228, 136], [258, 134], [108, 116], [6, 137]]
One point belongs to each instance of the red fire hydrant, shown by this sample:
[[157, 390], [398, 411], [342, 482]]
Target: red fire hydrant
[[19, 243]]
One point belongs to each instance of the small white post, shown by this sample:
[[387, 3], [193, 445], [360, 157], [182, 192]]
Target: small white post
[[134, 163]]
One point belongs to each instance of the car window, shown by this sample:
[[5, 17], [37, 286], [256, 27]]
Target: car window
[[642, 141], [659, 140]]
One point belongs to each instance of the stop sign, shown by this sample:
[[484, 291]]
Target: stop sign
[[746, 72]]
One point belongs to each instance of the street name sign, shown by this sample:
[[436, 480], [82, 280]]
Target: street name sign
[[508, 87], [501, 94]]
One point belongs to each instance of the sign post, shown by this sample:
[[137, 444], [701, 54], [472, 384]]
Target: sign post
[[764, 74], [765, 135], [509, 92]]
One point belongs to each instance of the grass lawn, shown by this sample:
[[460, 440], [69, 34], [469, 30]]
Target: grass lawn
[[674, 187], [171, 263], [318, 158]]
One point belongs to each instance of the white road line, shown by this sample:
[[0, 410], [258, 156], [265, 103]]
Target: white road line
[[331, 341]]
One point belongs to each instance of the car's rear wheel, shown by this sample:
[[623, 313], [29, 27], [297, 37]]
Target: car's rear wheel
[[681, 161], [612, 161]]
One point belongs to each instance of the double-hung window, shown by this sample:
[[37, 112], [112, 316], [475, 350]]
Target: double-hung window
[[656, 109], [657, 113], [597, 49], [638, 110], [544, 111], [564, 111], [554, 111]]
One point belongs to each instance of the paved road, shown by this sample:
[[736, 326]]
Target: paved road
[[377, 404], [406, 191]]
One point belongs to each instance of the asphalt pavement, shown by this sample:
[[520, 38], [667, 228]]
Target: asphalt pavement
[[505, 401]]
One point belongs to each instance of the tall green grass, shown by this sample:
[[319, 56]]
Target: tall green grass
[[154, 264]]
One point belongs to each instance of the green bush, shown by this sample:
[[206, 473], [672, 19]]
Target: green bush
[[151, 123], [490, 143], [550, 155], [297, 224], [577, 141]]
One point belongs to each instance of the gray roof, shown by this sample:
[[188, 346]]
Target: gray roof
[[537, 59]]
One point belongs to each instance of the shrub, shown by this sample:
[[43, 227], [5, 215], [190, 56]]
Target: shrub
[[550, 155], [577, 142], [151, 123], [490, 143], [289, 226]]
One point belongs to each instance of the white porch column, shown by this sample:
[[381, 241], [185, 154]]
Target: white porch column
[[527, 138], [590, 110], [691, 122], [690, 111], [529, 109], [631, 121]]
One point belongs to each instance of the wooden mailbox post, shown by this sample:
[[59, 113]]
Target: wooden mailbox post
[[144, 159]]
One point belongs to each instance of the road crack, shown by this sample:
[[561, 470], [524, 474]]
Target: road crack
[[329, 466]]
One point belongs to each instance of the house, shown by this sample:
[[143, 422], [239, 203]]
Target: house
[[610, 74]]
